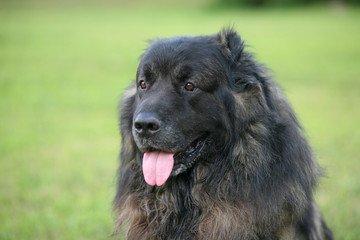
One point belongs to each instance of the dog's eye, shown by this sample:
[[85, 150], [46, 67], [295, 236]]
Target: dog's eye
[[142, 84], [189, 86]]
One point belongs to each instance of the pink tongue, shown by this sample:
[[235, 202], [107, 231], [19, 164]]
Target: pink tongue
[[157, 167]]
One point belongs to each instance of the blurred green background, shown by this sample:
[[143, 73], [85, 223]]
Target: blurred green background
[[64, 66]]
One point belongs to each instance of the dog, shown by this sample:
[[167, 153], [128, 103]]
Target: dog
[[211, 149]]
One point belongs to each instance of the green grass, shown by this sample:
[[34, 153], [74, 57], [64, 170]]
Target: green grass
[[63, 70]]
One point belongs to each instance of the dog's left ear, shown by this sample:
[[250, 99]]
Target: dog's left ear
[[232, 45], [245, 74]]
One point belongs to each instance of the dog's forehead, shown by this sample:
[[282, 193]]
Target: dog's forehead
[[172, 54]]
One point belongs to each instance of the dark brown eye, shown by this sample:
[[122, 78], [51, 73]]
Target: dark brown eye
[[142, 84], [189, 86]]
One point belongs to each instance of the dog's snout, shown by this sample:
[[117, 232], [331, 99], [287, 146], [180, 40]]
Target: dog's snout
[[147, 123]]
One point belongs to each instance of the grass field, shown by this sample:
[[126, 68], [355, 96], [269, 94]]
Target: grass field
[[63, 70]]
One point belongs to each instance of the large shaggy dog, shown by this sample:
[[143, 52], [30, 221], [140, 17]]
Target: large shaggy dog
[[211, 149]]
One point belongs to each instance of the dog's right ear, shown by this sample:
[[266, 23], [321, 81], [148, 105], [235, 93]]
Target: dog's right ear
[[128, 150], [232, 45]]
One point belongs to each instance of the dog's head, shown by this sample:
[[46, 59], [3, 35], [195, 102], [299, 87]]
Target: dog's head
[[184, 101]]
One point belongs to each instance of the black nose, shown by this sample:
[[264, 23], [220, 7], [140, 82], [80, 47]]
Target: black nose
[[147, 123]]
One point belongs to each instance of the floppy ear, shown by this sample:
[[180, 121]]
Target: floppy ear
[[127, 110], [232, 45], [243, 76]]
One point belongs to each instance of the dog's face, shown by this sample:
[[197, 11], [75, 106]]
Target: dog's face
[[179, 112]]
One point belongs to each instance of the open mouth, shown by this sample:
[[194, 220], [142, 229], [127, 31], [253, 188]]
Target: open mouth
[[186, 159], [158, 166]]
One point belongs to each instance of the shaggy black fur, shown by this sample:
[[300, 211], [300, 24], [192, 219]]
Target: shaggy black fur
[[253, 173]]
